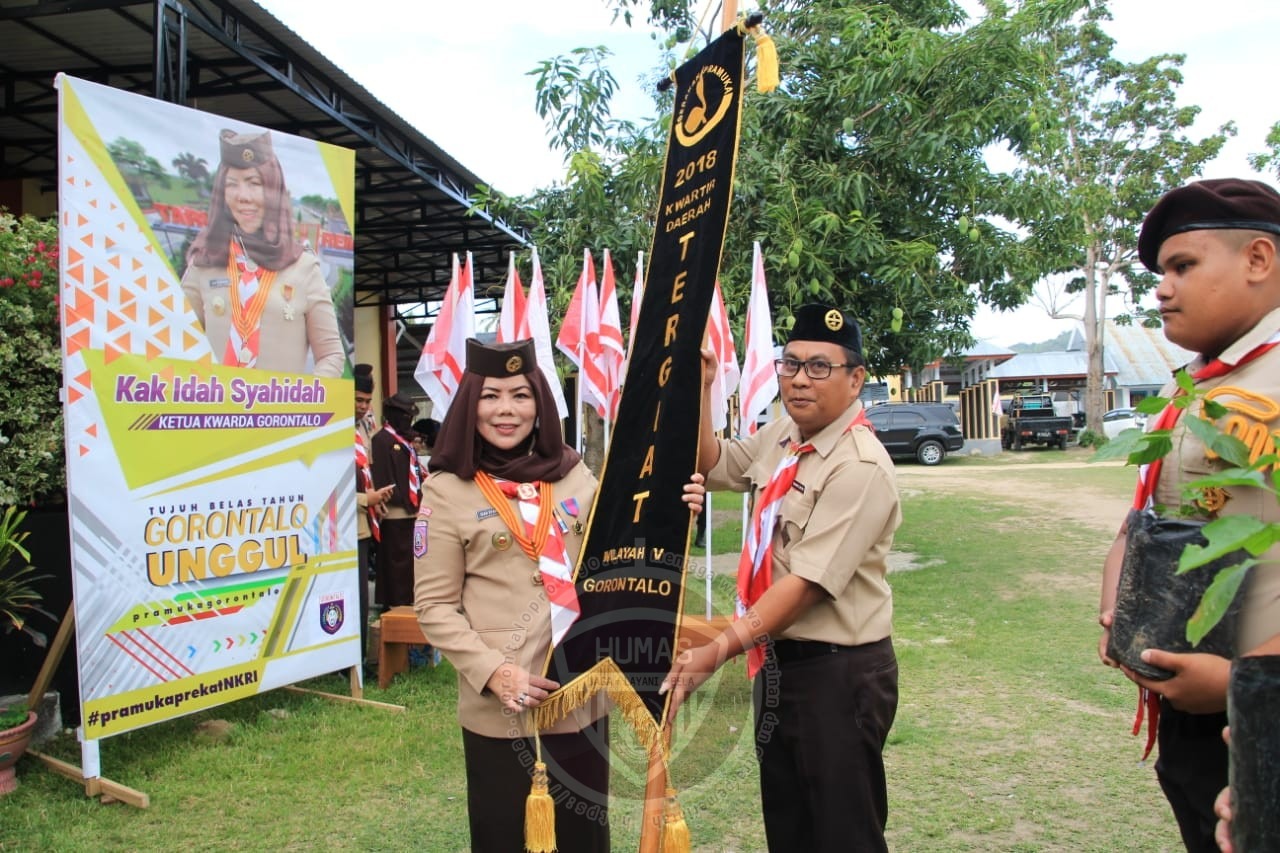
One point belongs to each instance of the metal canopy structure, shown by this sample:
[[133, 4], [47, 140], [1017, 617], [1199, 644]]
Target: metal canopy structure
[[233, 58]]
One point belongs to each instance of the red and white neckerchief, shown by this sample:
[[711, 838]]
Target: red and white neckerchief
[[366, 483], [250, 289], [755, 566], [541, 540], [415, 483], [1144, 498]]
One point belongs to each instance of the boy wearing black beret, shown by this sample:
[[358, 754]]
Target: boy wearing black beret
[[1215, 245]]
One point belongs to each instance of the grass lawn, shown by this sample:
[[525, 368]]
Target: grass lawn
[[1010, 736]]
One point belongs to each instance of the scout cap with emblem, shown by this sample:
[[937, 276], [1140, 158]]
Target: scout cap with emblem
[[826, 324], [363, 376], [243, 150], [1217, 204], [501, 360]]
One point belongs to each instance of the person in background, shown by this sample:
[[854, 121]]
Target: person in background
[[1214, 245], [425, 431], [486, 551], [395, 464], [369, 500], [261, 299], [816, 609]]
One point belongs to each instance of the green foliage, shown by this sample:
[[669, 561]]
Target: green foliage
[[1089, 438], [1270, 161], [1102, 140], [1224, 535], [13, 716], [18, 595], [32, 468], [864, 176]]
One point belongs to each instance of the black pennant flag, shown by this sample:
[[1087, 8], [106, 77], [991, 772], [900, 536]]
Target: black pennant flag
[[631, 571]]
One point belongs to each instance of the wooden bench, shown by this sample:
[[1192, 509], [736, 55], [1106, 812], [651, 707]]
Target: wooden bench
[[397, 630]]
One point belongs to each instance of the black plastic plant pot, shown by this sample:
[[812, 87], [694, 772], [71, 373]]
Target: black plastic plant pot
[[1253, 707], [1154, 602]]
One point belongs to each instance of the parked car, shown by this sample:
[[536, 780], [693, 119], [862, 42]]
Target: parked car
[[927, 431], [1117, 421]]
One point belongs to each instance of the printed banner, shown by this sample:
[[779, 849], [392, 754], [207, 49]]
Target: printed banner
[[206, 291], [630, 575]]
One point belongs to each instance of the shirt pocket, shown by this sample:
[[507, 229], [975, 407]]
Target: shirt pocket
[[509, 640], [793, 516]]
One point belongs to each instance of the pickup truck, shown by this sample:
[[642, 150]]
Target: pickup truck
[[1032, 420]]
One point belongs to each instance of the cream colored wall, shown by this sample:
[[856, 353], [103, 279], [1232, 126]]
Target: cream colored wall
[[369, 340]]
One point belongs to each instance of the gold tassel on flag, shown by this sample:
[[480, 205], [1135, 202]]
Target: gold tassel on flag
[[675, 832], [767, 75], [539, 809]]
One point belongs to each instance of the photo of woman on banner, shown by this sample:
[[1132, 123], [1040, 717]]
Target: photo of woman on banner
[[258, 293], [496, 540]]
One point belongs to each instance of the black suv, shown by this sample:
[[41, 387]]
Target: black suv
[[926, 431]]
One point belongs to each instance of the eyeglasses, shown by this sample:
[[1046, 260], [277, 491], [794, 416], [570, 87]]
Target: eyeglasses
[[815, 369]]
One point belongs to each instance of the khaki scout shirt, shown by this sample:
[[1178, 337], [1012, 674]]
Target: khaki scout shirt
[[835, 526], [1252, 395], [479, 598], [362, 499], [289, 326]]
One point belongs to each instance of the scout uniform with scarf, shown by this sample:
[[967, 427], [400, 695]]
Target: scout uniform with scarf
[[483, 601], [396, 463]]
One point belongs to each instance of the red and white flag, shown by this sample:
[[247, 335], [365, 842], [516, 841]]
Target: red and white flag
[[720, 341], [611, 352], [536, 326], [514, 306], [572, 338], [637, 296], [997, 406], [444, 356], [759, 382]]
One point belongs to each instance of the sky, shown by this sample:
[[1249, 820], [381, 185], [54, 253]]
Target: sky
[[458, 72]]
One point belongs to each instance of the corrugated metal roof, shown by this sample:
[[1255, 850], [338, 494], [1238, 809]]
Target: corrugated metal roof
[[1144, 356], [1049, 365]]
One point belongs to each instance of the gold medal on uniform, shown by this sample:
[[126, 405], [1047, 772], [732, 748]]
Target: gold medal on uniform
[[501, 540], [246, 355], [526, 491], [577, 528], [219, 307], [537, 578]]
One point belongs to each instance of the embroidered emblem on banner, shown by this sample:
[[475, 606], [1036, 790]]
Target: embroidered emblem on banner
[[332, 613], [420, 538], [705, 104]]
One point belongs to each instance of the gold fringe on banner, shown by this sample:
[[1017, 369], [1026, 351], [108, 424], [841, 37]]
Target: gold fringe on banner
[[675, 832], [603, 677], [767, 74], [539, 809]]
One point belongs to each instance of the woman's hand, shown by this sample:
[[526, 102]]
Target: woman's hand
[[517, 689], [694, 493]]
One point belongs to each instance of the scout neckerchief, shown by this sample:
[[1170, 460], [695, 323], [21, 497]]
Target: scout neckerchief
[[541, 540], [366, 482], [1144, 498], [755, 566], [414, 479], [250, 289]]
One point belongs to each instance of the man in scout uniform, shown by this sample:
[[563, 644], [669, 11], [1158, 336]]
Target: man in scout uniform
[[1214, 244], [369, 499], [815, 609], [396, 464]]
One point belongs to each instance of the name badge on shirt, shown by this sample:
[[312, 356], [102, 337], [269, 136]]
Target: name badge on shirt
[[219, 282], [798, 486], [482, 514]]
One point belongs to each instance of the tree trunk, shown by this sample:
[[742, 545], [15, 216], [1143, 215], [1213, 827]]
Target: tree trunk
[[1095, 315]]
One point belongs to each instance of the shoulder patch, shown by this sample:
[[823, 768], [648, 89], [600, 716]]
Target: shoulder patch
[[420, 538]]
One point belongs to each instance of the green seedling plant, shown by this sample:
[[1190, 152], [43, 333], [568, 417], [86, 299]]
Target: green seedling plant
[[1223, 535]]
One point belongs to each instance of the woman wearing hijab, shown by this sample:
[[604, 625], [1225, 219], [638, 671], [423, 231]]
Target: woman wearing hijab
[[501, 524], [261, 298]]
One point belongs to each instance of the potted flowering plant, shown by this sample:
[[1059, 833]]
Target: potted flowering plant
[[18, 597], [32, 467]]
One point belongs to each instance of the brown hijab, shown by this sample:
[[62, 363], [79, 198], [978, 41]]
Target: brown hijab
[[460, 450], [273, 245]]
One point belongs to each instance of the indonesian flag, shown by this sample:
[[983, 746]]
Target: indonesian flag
[[759, 382], [720, 341], [514, 306], [611, 352], [637, 296], [444, 355], [536, 326], [572, 339]]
